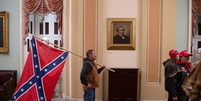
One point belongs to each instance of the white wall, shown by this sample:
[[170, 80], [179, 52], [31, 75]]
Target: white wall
[[122, 9], [11, 60]]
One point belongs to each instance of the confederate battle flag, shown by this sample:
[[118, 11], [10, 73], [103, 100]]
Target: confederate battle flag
[[41, 73]]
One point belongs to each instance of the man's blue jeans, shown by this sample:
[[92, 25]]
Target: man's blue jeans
[[89, 95]]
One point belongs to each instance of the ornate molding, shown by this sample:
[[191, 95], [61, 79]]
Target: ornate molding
[[96, 35], [160, 45], [84, 28], [147, 46], [84, 19], [4, 21]]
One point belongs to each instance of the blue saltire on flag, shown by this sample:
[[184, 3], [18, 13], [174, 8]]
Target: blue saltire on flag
[[41, 73]]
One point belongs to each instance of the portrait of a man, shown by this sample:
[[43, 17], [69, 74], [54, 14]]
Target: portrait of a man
[[121, 33], [3, 32], [120, 38]]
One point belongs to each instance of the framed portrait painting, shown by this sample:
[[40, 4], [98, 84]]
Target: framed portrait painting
[[121, 33], [3, 32]]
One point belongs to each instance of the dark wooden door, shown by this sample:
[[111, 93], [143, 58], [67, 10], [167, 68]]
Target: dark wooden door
[[123, 85], [130, 85], [115, 86]]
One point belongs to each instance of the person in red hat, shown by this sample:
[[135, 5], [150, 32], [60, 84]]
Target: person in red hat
[[170, 77], [183, 69]]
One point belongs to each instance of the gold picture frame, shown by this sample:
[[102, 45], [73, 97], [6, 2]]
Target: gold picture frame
[[117, 41], [3, 32]]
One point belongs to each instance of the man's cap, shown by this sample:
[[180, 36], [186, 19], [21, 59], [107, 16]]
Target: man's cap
[[173, 53], [185, 53]]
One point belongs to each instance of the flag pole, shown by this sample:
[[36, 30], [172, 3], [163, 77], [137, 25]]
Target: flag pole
[[68, 51]]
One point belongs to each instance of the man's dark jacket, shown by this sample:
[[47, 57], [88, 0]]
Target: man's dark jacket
[[87, 68], [121, 39]]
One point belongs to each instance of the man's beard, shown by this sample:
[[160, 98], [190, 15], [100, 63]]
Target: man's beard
[[94, 58]]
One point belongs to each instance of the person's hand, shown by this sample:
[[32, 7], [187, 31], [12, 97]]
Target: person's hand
[[175, 98], [89, 85], [103, 67]]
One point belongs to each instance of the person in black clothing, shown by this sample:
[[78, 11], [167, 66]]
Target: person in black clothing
[[121, 38], [183, 70], [89, 76], [170, 77]]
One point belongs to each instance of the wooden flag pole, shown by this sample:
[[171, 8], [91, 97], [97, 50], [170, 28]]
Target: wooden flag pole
[[69, 51]]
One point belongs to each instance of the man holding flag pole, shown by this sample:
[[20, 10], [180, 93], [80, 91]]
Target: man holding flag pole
[[89, 76]]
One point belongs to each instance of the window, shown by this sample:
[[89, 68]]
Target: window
[[28, 45], [199, 28], [56, 42], [199, 44], [47, 28], [55, 28], [41, 28], [31, 26]]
